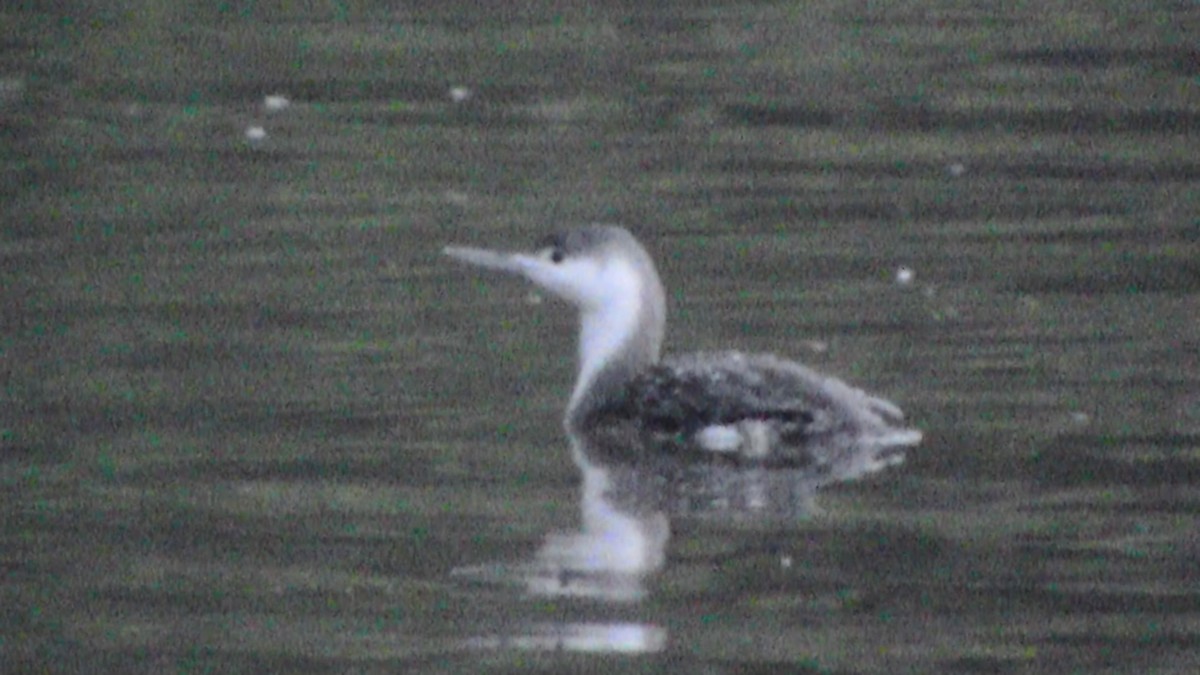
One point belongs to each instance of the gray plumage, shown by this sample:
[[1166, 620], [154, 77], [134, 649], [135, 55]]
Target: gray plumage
[[727, 408], [768, 411]]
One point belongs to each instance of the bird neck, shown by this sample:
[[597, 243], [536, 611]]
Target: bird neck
[[617, 340]]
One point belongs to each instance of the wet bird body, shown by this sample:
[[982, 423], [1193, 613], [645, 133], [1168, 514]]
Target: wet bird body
[[729, 408], [752, 410]]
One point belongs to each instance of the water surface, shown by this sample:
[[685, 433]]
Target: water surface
[[252, 422]]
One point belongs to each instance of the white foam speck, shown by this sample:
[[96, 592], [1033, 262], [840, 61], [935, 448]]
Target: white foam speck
[[275, 102]]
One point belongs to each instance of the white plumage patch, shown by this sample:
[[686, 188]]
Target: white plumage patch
[[721, 438], [750, 438], [758, 439], [610, 298]]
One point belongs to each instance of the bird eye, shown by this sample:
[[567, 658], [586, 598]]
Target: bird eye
[[557, 255]]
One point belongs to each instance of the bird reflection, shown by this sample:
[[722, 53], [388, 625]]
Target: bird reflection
[[721, 434]]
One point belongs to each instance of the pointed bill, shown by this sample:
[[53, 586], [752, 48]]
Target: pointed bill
[[516, 263]]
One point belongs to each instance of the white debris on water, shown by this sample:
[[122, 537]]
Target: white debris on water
[[456, 197], [815, 346], [12, 90], [275, 102]]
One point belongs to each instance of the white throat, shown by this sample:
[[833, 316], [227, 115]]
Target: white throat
[[611, 325]]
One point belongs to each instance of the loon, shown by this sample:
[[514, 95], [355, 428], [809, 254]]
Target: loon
[[629, 406]]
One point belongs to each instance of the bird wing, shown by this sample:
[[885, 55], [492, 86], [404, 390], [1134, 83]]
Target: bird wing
[[747, 409]]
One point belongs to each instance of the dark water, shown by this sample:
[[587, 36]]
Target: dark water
[[252, 422]]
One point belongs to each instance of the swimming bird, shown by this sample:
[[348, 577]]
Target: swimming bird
[[629, 406]]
